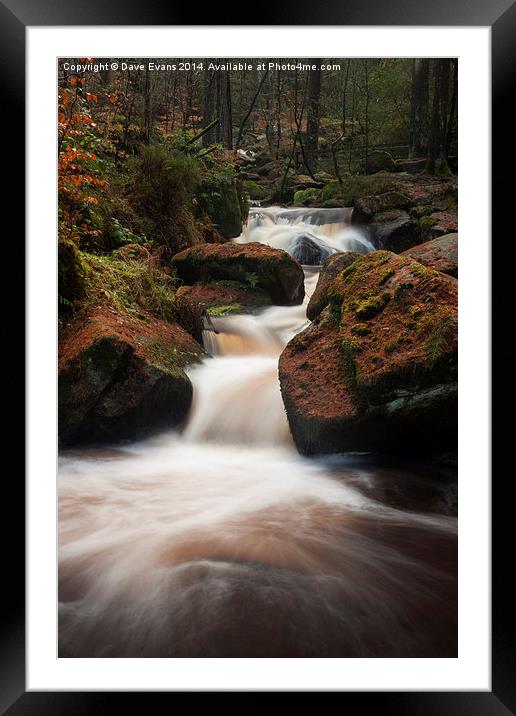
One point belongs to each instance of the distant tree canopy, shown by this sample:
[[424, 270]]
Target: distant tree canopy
[[406, 106]]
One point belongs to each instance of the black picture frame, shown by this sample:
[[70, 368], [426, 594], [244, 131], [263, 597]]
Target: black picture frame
[[500, 15]]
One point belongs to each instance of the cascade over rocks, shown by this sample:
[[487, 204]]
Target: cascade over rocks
[[254, 265], [377, 370], [121, 378]]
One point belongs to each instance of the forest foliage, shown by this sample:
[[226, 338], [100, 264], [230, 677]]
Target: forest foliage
[[158, 158]]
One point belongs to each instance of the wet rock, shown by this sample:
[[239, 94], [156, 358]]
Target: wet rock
[[379, 161], [377, 370], [255, 265], [308, 251], [330, 270], [395, 231], [121, 378], [366, 207], [440, 254]]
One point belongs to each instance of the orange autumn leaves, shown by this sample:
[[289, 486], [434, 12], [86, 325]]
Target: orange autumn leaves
[[79, 168]]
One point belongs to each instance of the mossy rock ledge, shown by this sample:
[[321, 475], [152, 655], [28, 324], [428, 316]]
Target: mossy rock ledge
[[255, 265], [121, 378], [330, 269], [377, 369]]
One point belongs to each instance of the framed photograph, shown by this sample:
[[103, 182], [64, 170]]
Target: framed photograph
[[258, 293]]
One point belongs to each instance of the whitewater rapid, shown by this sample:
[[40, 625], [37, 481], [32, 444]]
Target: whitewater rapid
[[221, 540]]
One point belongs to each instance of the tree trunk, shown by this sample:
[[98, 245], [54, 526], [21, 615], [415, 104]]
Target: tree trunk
[[147, 108], [251, 107], [344, 92], [226, 120], [437, 162], [418, 141], [452, 119], [366, 137], [278, 113], [312, 124], [208, 106]]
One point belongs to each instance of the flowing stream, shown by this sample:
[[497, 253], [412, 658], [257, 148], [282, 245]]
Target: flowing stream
[[220, 540]]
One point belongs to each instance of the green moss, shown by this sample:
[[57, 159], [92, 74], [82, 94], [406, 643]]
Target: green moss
[[220, 197], [163, 181], [129, 285], [451, 196], [388, 215], [386, 276], [380, 161], [414, 311], [305, 197], [426, 222], [391, 345], [423, 271], [353, 187], [255, 191], [72, 273], [349, 270], [371, 306], [227, 282], [402, 289], [224, 310], [443, 329], [165, 357], [349, 350], [360, 330], [417, 212]]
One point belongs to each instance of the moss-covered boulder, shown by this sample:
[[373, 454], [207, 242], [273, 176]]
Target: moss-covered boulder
[[303, 181], [366, 207], [377, 370], [255, 265], [380, 161], [353, 187], [330, 270], [222, 198], [256, 191], [72, 273], [122, 377], [306, 197], [441, 254]]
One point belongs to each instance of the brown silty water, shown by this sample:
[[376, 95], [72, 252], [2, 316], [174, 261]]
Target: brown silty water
[[222, 541]]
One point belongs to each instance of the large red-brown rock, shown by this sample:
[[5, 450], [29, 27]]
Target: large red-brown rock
[[377, 370], [254, 265], [440, 254], [121, 377]]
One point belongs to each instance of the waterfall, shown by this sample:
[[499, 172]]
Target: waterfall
[[222, 541], [326, 231]]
